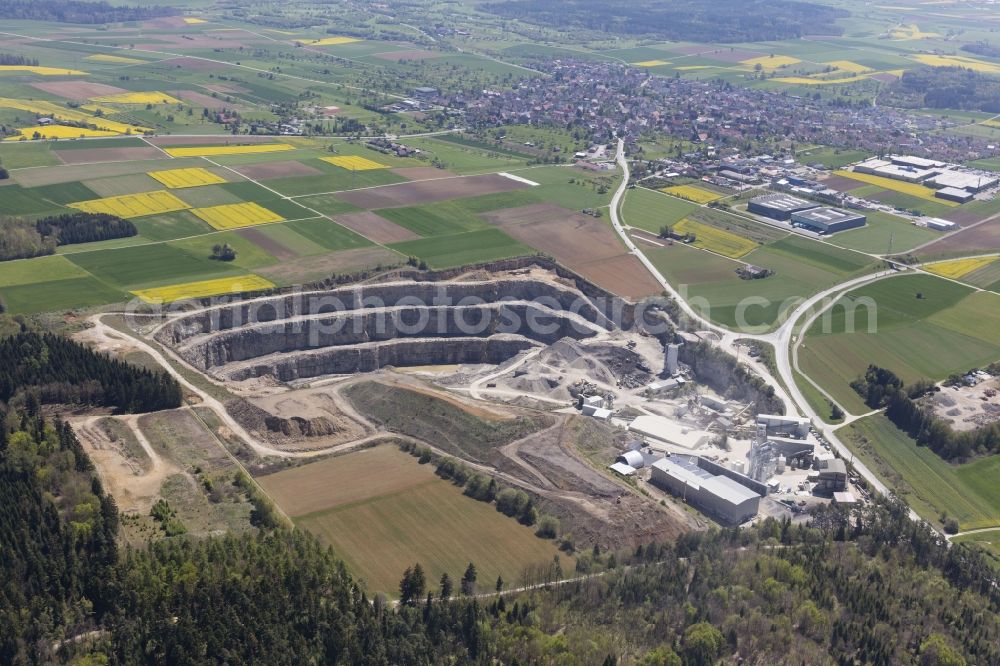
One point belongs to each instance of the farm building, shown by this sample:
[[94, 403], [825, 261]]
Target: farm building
[[954, 194], [778, 206], [828, 220], [937, 224], [727, 500]]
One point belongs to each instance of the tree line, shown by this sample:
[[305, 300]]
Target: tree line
[[80, 11], [17, 59], [51, 369], [882, 388], [21, 239]]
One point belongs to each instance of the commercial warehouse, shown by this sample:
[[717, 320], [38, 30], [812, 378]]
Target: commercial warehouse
[[778, 206], [721, 497], [828, 220]]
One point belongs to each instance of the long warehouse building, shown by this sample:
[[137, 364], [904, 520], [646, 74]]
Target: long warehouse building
[[726, 500]]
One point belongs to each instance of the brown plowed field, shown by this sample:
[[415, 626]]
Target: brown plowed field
[[421, 173], [427, 191], [375, 228], [984, 238], [268, 170], [93, 155], [77, 89], [267, 243], [964, 217], [207, 101], [581, 243], [842, 183]]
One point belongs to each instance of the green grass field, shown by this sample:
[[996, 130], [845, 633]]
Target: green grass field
[[874, 237], [949, 330], [463, 248], [651, 210], [383, 512], [437, 219], [150, 265], [930, 485]]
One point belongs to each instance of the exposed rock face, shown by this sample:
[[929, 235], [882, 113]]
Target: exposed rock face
[[361, 329], [355, 359]]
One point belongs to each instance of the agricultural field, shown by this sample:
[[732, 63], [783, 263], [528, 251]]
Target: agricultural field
[[133, 205], [693, 193], [204, 288], [354, 163], [650, 210], [212, 151], [933, 487], [380, 500], [179, 178], [957, 269], [918, 326], [715, 240], [235, 216]]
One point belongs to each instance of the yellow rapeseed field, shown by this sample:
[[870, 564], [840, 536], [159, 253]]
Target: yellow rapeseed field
[[190, 20], [806, 81], [204, 288], [354, 163], [329, 41], [848, 66], [692, 193], [234, 216], [107, 57], [208, 151], [143, 98], [58, 132], [958, 268], [177, 178], [688, 68], [771, 62], [61, 113], [715, 240], [133, 205], [957, 61], [41, 71], [651, 63], [912, 189], [911, 31]]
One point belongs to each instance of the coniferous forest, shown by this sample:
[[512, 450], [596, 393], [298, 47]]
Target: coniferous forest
[[53, 369], [872, 588]]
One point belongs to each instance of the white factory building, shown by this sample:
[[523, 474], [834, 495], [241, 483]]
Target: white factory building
[[719, 496]]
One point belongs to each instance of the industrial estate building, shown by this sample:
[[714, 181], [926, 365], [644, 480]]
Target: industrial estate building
[[827, 220], [719, 495], [953, 183], [805, 214], [778, 206]]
